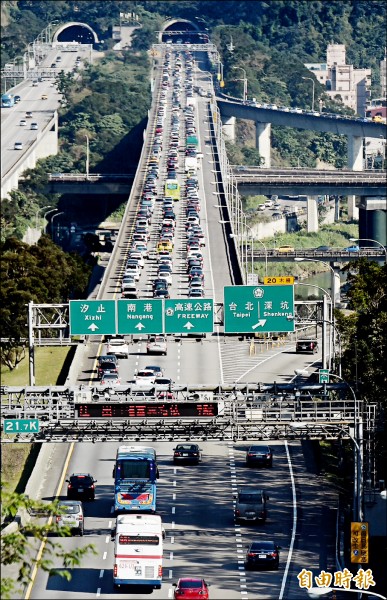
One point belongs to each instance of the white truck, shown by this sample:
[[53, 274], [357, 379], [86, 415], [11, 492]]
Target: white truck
[[190, 164], [191, 101], [138, 550]]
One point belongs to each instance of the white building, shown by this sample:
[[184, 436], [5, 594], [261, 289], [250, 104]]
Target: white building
[[340, 79]]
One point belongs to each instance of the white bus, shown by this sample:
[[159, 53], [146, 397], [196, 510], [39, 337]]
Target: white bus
[[138, 550]]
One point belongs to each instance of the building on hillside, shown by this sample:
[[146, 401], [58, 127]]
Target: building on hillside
[[340, 79]]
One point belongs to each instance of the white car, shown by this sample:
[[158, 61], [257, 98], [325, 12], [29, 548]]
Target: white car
[[166, 276], [157, 345], [118, 346], [144, 377]]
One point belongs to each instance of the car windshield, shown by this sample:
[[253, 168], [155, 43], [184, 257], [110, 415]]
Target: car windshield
[[190, 584], [69, 509], [80, 480], [262, 546], [187, 448], [250, 498]]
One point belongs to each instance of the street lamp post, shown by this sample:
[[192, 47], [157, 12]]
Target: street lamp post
[[87, 156], [37, 213], [370, 240], [312, 80], [244, 82], [52, 223]]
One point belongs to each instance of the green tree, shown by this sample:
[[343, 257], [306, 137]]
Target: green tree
[[17, 546]]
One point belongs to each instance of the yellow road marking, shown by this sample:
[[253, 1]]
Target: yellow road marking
[[43, 543]]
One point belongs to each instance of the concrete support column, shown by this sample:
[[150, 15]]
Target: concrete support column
[[353, 211], [311, 215], [355, 153], [262, 142], [228, 127]]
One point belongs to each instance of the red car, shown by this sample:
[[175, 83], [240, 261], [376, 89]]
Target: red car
[[192, 588]]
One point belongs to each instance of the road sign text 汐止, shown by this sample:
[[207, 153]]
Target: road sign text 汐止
[[262, 308], [92, 317]]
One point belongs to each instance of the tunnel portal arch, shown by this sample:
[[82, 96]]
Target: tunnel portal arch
[[75, 32]]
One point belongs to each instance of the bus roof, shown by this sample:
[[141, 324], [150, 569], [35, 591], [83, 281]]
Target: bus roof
[[138, 520], [146, 451]]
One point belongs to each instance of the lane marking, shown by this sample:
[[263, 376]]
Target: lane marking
[[98, 592], [104, 556], [294, 527], [43, 542], [101, 573], [107, 539]]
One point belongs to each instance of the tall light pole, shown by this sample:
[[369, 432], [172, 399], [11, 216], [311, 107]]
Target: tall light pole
[[52, 223], [244, 82], [325, 320], [370, 240], [312, 80], [37, 213], [358, 434], [87, 156]]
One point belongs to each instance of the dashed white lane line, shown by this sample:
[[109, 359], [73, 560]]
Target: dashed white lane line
[[171, 556], [170, 574], [173, 496], [107, 539], [101, 573], [104, 556], [173, 509], [173, 524], [98, 592]]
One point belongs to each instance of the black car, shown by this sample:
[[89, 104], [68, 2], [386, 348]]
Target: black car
[[81, 485], [187, 453], [262, 554], [107, 364], [259, 455], [306, 346]]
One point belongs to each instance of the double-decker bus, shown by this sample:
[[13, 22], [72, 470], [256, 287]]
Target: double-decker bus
[[135, 475], [172, 189], [138, 551], [377, 110]]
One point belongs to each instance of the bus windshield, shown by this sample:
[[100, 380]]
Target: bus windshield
[[134, 469]]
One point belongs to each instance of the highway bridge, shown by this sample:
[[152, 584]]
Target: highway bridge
[[250, 180]]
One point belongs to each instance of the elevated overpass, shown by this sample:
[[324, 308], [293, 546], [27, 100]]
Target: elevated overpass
[[250, 181], [356, 129]]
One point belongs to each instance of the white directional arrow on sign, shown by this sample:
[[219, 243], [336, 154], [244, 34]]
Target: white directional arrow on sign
[[139, 326], [188, 325], [93, 327], [259, 324]]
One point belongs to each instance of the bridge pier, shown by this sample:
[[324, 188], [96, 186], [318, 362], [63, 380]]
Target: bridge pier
[[353, 211], [373, 219], [262, 142], [311, 215], [355, 152], [228, 127]]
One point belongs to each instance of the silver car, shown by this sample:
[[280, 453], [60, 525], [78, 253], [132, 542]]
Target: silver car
[[71, 515], [251, 506]]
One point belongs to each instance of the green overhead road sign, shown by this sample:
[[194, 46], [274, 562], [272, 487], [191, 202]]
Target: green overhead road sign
[[140, 316], [189, 316], [21, 426], [258, 308], [92, 317], [323, 376]]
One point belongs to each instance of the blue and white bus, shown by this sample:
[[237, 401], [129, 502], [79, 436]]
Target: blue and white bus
[[7, 100], [135, 475]]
